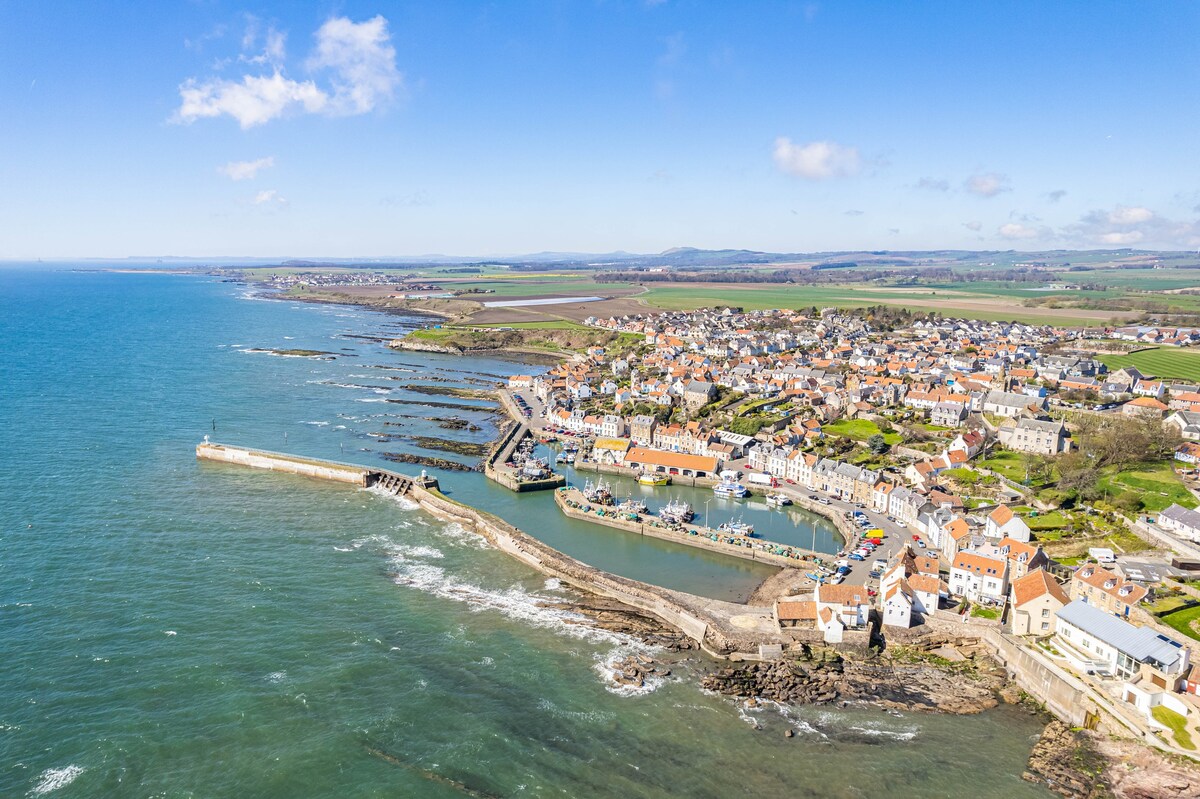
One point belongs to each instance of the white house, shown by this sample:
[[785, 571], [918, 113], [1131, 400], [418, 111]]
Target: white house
[[1182, 521], [978, 577], [1003, 523], [1100, 643]]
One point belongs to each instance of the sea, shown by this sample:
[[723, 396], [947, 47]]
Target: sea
[[170, 628]]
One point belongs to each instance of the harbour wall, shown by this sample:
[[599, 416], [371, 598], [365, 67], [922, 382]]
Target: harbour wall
[[723, 629], [700, 540]]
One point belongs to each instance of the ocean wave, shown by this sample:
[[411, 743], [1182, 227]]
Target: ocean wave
[[276, 677], [317, 424], [462, 535], [54, 778]]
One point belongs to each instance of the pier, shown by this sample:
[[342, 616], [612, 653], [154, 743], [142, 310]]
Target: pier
[[722, 629], [495, 470], [575, 505]]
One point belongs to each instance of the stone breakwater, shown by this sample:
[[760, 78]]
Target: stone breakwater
[[723, 629]]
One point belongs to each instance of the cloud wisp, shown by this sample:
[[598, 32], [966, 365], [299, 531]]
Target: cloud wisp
[[246, 170], [987, 184], [357, 57], [818, 160]]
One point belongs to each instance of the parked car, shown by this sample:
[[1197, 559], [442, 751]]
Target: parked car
[[921, 544], [857, 556]]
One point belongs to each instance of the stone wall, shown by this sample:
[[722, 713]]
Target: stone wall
[[277, 462]]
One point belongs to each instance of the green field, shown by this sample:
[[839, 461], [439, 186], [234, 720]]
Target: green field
[[1156, 483], [859, 430], [1160, 362], [549, 324], [684, 297]]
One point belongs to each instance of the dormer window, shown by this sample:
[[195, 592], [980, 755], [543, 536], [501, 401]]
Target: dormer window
[[1126, 590], [1109, 585]]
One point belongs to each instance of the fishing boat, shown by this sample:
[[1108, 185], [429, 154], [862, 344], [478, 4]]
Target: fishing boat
[[600, 493], [677, 512], [778, 500], [737, 527], [728, 489], [631, 505], [653, 479]]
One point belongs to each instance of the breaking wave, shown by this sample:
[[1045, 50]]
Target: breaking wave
[[54, 778]]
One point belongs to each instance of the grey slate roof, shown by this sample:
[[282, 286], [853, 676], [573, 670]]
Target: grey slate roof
[[1140, 643]]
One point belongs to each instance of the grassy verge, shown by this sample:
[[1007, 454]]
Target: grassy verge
[[1181, 620], [1176, 723], [1156, 484]]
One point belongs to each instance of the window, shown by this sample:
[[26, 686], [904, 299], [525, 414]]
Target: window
[[1045, 625], [1045, 613]]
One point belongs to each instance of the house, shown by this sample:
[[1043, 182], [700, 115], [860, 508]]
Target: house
[[948, 414], [840, 607], [641, 429], [1187, 422], [1144, 406], [1022, 557], [698, 393], [1003, 523], [612, 426], [1034, 599], [653, 460], [610, 451], [1003, 403], [1181, 521], [1105, 590], [1040, 436], [1095, 642], [910, 590], [978, 577]]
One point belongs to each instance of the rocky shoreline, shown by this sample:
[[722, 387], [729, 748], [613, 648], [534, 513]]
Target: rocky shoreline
[[911, 681], [1080, 764]]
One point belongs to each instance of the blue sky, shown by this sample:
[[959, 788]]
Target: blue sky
[[383, 128]]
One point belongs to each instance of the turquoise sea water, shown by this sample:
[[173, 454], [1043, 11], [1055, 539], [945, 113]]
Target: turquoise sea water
[[182, 630]]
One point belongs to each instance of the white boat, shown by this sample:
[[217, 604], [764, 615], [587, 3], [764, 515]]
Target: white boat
[[726, 488], [737, 527], [778, 500], [677, 512], [631, 505]]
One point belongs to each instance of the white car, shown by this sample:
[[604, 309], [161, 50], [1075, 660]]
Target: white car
[[837, 579]]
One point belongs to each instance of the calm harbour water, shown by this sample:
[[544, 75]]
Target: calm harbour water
[[175, 629]]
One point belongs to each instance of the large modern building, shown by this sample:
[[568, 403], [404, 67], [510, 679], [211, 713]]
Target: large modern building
[[1098, 642]]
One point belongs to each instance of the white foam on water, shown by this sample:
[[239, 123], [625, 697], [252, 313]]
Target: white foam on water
[[170, 633], [344, 549], [515, 602], [899, 735], [54, 778], [553, 584], [462, 535], [403, 502], [593, 716], [317, 424], [369, 399], [276, 677], [606, 667]]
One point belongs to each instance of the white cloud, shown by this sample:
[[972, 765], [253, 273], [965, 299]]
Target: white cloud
[[816, 160], [1015, 231], [1129, 215], [973, 225], [987, 185], [1056, 195], [1128, 237], [269, 197], [363, 62], [274, 49], [358, 56], [245, 170], [254, 100], [933, 184]]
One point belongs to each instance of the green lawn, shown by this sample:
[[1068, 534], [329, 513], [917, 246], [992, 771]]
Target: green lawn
[[1009, 464], [1156, 483], [1176, 723], [1055, 520], [1160, 362], [859, 430], [1181, 620]]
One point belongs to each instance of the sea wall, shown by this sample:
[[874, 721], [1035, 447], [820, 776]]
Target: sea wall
[[723, 629], [278, 462]]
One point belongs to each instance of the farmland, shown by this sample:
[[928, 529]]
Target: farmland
[[1159, 362]]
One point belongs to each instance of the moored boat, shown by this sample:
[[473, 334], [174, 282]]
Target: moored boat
[[653, 479], [729, 489]]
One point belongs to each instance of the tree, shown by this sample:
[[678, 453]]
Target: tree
[[878, 444]]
